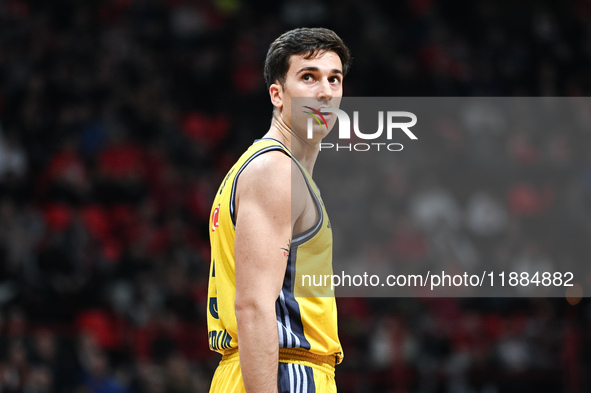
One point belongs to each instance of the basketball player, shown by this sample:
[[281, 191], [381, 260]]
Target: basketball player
[[269, 224]]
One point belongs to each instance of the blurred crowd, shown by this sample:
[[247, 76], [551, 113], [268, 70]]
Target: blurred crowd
[[119, 118]]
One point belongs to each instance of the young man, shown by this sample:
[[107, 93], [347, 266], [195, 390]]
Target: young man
[[268, 225]]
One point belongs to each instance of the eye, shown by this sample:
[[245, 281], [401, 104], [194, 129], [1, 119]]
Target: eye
[[307, 77], [334, 80]]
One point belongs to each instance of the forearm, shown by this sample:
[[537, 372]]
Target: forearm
[[258, 345]]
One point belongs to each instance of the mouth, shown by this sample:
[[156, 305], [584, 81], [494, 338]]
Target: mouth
[[327, 116], [324, 116], [325, 113]]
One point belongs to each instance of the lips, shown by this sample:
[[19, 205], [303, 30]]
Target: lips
[[319, 115], [327, 115]]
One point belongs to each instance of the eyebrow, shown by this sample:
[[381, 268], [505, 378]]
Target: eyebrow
[[315, 69]]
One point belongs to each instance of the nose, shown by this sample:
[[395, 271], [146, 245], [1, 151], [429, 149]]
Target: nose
[[325, 90]]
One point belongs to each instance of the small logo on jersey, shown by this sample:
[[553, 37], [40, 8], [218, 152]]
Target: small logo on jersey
[[215, 218]]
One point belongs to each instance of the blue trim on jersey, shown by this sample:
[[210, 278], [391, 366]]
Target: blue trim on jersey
[[233, 194], [280, 312], [289, 319], [272, 139], [295, 378], [310, 232]]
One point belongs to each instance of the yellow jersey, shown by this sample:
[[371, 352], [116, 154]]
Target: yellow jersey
[[303, 320]]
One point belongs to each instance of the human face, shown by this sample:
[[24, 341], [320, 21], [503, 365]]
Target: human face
[[316, 82]]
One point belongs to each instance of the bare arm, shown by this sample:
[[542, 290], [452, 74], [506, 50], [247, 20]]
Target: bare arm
[[263, 234]]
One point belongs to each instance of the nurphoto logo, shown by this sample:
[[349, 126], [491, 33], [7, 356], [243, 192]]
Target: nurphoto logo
[[393, 124]]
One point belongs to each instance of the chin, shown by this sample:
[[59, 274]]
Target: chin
[[320, 135]]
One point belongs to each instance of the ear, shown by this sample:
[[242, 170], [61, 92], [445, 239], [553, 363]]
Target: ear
[[276, 93]]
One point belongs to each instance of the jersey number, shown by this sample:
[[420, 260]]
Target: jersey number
[[213, 301], [213, 307]]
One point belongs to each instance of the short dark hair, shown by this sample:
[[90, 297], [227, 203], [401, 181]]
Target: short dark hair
[[306, 41]]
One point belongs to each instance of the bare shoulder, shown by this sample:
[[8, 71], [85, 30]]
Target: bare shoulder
[[273, 166], [272, 180]]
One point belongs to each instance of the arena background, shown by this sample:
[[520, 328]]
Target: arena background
[[119, 118]]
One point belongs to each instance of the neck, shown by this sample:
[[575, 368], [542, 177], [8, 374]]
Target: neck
[[305, 150]]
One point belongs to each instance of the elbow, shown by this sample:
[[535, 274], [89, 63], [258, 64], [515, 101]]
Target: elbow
[[249, 308]]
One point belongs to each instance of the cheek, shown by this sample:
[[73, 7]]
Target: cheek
[[296, 89]]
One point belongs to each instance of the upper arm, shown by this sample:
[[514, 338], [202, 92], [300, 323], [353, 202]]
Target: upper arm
[[265, 216]]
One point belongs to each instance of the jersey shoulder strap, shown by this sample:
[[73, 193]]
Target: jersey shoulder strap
[[260, 146]]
